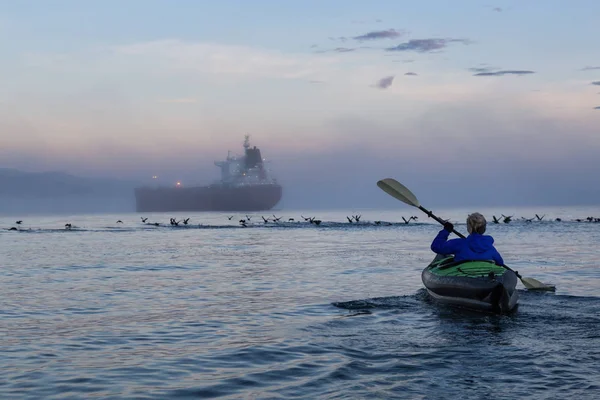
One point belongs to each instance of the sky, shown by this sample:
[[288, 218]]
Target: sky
[[468, 102]]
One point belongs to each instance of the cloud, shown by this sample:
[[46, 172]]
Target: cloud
[[375, 35], [426, 45], [495, 71], [504, 72], [343, 49], [589, 68], [597, 108], [385, 83], [496, 9], [481, 69], [336, 50], [596, 83], [411, 74]]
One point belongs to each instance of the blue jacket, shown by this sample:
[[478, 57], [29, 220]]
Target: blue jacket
[[474, 247]]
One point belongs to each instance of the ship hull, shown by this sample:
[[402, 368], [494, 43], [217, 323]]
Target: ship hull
[[208, 198]]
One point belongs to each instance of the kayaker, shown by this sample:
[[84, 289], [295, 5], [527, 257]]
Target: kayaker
[[475, 247]]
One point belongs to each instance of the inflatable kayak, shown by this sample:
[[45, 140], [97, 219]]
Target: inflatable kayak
[[478, 285]]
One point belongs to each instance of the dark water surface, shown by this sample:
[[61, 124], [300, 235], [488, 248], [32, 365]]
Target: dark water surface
[[333, 311]]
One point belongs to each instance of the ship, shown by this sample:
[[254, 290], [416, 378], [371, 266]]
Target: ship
[[245, 185]]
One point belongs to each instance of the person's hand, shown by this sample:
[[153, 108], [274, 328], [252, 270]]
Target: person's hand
[[448, 226]]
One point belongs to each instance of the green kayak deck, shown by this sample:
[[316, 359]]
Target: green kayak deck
[[447, 267]]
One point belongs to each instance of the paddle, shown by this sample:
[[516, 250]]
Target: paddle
[[401, 192]]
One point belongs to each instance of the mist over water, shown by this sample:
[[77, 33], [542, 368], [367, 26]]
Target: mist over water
[[318, 186]]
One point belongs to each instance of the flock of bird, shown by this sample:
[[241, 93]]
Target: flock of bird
[[508, 219], [354, 219], [275, 220], [246, 220]]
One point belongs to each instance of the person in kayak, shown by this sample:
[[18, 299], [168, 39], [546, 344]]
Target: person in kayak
[[475, 247]]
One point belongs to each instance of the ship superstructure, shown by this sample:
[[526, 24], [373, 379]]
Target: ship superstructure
[[246, 170]]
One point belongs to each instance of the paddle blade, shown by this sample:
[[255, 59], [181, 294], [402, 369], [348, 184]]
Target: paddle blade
[[534, 284], [398, 191]]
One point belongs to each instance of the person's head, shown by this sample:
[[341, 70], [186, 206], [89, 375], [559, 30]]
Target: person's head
[[476, 223]]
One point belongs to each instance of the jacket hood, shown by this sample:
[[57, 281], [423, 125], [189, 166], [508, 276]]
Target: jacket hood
[[480, 243]]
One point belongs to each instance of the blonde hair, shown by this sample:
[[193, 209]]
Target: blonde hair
[[476, 223]]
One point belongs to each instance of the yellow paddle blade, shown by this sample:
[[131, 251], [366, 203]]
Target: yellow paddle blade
[[534, 284], [398, 191]]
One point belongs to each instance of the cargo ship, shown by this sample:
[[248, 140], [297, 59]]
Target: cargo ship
[[245, 185]]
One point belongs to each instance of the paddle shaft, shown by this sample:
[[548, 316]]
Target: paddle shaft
[[441, 221], [457, 233]]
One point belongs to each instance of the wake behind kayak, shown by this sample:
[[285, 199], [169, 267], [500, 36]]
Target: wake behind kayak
[[478, 285]]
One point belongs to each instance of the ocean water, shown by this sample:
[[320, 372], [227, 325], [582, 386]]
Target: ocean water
[[289, 310]]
